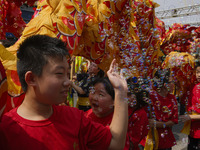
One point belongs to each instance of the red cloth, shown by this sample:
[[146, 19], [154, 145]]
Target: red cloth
[[165, 109], [7, 102], [3, 89], [186, 96], [137, 128], [194, 101], [67, 128]]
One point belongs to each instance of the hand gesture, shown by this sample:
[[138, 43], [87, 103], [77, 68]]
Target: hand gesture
[[116, 79]]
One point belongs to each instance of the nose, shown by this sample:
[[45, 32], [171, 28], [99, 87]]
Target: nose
[[66, 82], [94, 97]]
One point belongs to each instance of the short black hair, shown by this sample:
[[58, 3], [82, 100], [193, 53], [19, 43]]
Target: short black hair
[[100, 74], [197, 64], [141, 98], [107, 84], [7, 43], [163, 76], [33, 54]]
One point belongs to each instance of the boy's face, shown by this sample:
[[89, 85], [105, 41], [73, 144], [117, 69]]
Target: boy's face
[[53, 85], [198, 73]]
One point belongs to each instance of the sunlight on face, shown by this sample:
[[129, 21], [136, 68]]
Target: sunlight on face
[[53, 85]]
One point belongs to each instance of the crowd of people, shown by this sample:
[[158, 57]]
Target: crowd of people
[[112, 112], [152, 111]]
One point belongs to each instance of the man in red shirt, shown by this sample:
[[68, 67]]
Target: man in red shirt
[[39, 123], [193, 115]]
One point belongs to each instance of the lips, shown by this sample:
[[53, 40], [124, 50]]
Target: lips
[[95, 105], [65, 93]]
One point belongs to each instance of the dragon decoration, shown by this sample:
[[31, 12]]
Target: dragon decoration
[[181, 46]]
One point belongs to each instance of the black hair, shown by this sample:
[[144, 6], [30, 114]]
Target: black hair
[[100, 74], [197, 64], [141, 98], [7, 43], [141, 94], [33, 54], [162, 76], [107, 84]]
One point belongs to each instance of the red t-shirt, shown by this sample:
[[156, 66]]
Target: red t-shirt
[[195, 107], [137, 128], [67, 128], [165, 109]]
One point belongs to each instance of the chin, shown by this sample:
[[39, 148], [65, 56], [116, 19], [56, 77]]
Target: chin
[[59, 102]]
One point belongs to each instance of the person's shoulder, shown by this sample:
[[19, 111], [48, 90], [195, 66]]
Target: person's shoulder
[[141, 111], [88, 113], [196, 86], [10, 113], [171, 96], [8, 117]]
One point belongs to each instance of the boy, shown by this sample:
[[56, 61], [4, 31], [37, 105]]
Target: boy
[[38, 123], [193, 116]]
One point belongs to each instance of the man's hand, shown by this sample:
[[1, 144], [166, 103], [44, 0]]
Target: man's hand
[[184, 118]]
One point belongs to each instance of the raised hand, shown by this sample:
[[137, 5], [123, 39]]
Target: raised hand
[[116, 79]]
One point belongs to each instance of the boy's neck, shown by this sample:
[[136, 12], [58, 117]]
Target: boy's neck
[[31, 109]]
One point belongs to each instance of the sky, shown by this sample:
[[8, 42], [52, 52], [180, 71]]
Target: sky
[[171, 4]]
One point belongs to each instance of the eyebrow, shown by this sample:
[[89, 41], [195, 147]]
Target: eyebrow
[[103, 91], [60, 67]]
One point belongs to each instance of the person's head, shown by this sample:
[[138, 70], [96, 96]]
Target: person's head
[[102, 97], [43, 68], [95, 70], [161, 80], [137, 96], [7, 43], [197, 66]]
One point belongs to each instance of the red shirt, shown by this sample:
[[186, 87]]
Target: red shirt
[[187, 96], [195, 107], [137, 128], [165, 109], [67, 128]]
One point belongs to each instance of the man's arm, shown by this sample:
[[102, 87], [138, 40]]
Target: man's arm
[[185, 118], [77, 88], [119, 124], [160, 124]]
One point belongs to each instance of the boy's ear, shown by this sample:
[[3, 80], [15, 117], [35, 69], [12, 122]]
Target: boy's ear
[[30, 78]]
